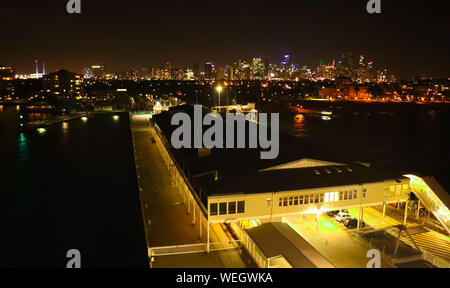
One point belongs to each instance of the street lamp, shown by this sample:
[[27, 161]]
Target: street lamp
[[219, 89]]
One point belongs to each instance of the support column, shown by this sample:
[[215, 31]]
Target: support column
[[358, 225], [207, 238], [317, 222], [189, 203], [193, 213], [406, 213], [200, 221], [398, 241]]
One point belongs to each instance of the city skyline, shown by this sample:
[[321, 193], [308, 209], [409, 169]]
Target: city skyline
[[409, 37]]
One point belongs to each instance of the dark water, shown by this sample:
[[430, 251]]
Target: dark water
[[72, 187], [396, 138]]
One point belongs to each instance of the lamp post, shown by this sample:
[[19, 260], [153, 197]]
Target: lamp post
[[219, 89]]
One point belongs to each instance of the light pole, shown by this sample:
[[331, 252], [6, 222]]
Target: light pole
[[219, 89]]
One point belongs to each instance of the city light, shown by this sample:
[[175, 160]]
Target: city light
[[84, 118], [41, 130]]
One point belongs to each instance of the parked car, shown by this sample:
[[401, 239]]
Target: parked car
[[342, 216], [335, 212], [353, 223]]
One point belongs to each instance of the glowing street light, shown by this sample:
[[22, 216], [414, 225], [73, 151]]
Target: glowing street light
[[219, 89]]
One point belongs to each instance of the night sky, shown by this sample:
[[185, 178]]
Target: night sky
[[411, 38]]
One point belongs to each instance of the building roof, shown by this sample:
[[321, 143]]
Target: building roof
[[292, 179], [242, 170], [275, 239]]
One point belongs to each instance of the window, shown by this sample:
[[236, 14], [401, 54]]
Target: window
[[311, 199], [285, 201], [364, 192], [296, 200], [280, 201], [241, 207], [341, 195], [326, 197], [316, 198], [300, 200], [268, 203], [316, 172], [291, 199], [223, 208], [355, 194], [306, 199], [213, 209], [345, 195], [392, 190], [321, 197], [231, 207], [398, 189]]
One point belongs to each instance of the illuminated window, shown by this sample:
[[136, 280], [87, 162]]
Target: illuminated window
[[306, 199], [296, 200], [321, 197], [355, 194], [285, 201], [223, 208], [291, 199], [213, 209], [326, 197], [241, 207], [316, 198], [341, 195], [345, 195], [231, 207], [300, 200], [280, 201]]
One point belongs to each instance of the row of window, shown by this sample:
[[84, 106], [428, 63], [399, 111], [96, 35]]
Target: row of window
[[395, 189], [226, 208], [320, 198]]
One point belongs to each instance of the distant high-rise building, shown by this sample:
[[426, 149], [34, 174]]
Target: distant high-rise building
[[257, 68], [285, 69], [266, 63], [99, 71], [6, 81], [209, 71], [63, 83]]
